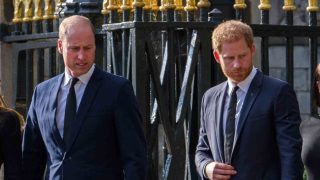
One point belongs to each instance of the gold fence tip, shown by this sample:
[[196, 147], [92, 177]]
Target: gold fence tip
[[203, 4], [265, 7], [289, 8], [312, 8], [240, 6]]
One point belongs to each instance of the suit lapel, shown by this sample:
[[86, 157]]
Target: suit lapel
[[55, 86], [253, 91], [85, 104], [219, 120]]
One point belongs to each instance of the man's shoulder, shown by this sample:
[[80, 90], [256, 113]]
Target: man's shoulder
[[214, 92], [8, 115], [215, 89], [49, 82], [273, 81], [114, 79]]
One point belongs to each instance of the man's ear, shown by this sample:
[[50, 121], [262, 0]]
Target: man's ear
[[253, 49], [216, 56], [59, 43]]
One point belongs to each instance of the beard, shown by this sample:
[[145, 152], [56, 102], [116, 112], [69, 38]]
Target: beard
[[237, 75]]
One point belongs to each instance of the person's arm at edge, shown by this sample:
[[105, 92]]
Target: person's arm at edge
[[33, 148], [287, 122], [130, 134], [11, 147], [203, 154]]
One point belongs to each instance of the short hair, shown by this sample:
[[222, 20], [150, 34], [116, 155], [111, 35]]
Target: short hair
[[316, 94], [71, 21], [230, 31]]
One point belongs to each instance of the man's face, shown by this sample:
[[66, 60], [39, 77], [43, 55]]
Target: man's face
[[236, 59], [78, 49]]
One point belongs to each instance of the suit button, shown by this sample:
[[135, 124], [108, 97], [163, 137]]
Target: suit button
[[69, 158]]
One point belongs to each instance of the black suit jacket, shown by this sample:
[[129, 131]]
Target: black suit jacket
[[10, 144], [107, 139], [267, 143], [310, 132]]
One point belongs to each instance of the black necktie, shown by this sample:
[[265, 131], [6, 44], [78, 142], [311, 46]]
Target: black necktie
[[230, 125], [71, 109]]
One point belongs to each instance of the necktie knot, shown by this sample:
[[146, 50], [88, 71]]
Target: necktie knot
[[74, 81], [234, 90]]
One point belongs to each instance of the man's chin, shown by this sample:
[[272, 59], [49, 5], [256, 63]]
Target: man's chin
[[237, 79]]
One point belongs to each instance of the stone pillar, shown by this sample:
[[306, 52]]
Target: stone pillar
[[6, 81]]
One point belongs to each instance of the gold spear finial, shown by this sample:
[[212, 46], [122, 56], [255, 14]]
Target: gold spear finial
[[191, 6], [37, 10], [147, 5], [58, 8], [203, 4], [239, 4], [17, 15], [126, 5], [113, 5], [104, 10], [312, 5], [138, 3], [289, 5], [179, 5], [48, 10], [154, 5], [170, 4], [27, 11], [163, 2], [264, 5]]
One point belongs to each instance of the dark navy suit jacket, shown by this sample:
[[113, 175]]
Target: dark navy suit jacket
[[267, 143], [107, 139]]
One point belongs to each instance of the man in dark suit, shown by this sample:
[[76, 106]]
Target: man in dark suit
[[83, 124], [249, 123]]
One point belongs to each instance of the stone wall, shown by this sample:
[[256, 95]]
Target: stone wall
[[302, 82]]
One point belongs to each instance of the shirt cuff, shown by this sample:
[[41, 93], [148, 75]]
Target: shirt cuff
[[204, 170]]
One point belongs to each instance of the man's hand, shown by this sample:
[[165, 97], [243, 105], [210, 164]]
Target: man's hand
[[217, 171]]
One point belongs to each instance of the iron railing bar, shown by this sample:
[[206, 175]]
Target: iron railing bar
[[160, 97], [289, 52], [264, 43], [184, 98], [29, 37], [128, 71], [113, 54], [313, 47]]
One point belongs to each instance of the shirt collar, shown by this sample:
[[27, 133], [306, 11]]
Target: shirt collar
[[84, 78], [245, 84]]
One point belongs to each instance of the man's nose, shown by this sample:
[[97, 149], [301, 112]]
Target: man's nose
[[81, 54], [236, 62]]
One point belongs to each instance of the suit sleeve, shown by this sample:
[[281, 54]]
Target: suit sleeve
[[287, 122], [11, 146], [33, 149], [203, 153], [130, 134]]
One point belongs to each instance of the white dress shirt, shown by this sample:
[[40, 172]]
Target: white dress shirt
[[79, 88]]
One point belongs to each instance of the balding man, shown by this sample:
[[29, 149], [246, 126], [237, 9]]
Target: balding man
[[83, 124]]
